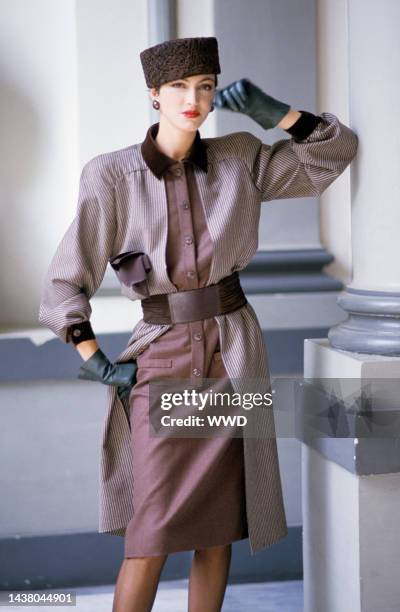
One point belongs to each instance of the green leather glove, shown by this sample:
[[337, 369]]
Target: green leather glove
[[244, 97], [100, 369]]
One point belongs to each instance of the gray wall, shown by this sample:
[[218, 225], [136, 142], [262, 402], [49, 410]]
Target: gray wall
[[272, 44]]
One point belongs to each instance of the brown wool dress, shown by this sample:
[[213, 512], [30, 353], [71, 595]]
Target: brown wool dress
[[189, 493]]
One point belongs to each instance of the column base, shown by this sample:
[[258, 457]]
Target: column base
[[373, 325]]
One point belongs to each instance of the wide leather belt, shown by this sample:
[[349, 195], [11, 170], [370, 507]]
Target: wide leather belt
[[195, 304]]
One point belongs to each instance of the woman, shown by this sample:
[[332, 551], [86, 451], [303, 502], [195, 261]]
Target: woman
[[177, 216]]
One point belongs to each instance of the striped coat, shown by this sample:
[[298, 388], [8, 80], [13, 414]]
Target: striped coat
[[122, 206]]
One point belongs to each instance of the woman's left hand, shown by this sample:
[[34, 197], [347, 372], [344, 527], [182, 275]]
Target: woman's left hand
[[244, 97]]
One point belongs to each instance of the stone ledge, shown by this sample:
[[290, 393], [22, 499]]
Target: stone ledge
[[359, 455]]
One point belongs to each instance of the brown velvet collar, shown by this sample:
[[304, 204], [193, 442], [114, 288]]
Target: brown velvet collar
[[158, 162]]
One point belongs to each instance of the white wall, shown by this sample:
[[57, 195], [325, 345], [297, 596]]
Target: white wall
[[38, 145], [114, 101], [72, 87]]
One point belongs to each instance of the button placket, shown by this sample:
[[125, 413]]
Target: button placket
[[198, 350], [187, 233], [186, 227]]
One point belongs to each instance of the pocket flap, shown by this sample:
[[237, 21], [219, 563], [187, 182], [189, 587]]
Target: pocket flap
[[131, 267], [153, 362]]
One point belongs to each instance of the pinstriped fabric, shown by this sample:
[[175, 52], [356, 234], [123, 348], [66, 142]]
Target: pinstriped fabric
[[243, 336], [116, 479], [123, 206], [80, 261], [306, 168]]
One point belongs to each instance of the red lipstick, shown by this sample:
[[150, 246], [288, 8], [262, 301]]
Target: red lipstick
[[191, 114]]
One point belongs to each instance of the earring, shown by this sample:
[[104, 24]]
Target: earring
[[156, 104], [211, 108]]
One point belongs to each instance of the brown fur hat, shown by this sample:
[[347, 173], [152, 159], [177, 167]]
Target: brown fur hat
[[179, 58]]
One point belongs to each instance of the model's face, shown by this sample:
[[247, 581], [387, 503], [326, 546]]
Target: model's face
[[193, 93]]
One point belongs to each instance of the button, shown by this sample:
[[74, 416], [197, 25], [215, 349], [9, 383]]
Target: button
[[196, 371], [76, 332], [177, 171], [188, 240], [185, 204], [190, 274], [197, 336]]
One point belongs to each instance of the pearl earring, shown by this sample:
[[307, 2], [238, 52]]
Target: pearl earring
[[156, 104]]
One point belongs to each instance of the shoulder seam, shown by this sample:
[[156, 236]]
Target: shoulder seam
[[102, 162]]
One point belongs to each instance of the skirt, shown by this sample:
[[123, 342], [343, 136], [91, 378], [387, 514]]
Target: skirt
[[188, 493]]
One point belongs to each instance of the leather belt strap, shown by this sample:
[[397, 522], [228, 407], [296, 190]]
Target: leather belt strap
[[195, 304]]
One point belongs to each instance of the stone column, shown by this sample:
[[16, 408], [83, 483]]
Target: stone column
[[351, 485], [373, 297]]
